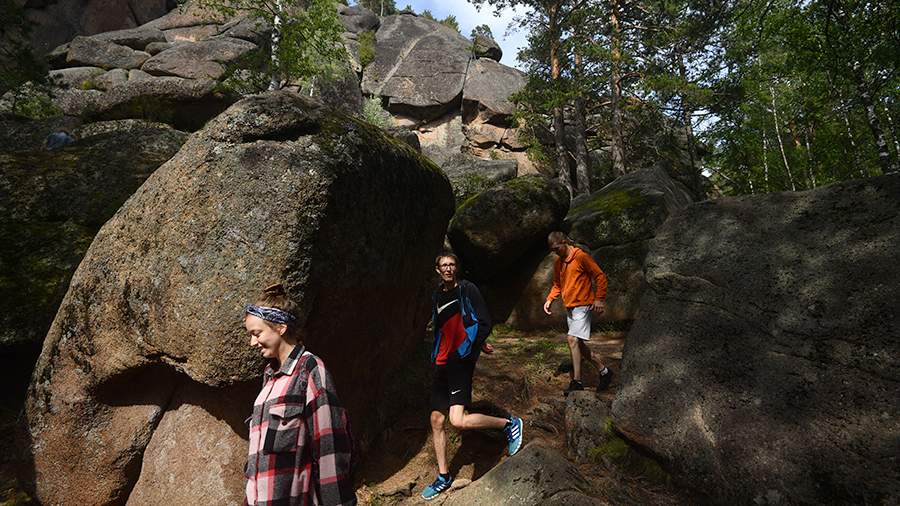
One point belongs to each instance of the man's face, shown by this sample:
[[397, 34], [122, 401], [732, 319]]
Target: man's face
[[446, 268], [560, 248]]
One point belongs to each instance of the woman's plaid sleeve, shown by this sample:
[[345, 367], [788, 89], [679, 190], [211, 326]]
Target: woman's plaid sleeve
[[329, 430]]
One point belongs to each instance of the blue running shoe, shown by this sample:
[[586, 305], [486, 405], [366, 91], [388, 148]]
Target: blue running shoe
[[514, 430], [439, 485]]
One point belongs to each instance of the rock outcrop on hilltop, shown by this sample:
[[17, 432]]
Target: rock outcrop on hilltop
[[763, 367], [450, 91], [149, 335], [58, 21]]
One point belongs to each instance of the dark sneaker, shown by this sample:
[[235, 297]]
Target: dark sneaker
[[435, 489], [605, 380], [573, 386], [514, 431]]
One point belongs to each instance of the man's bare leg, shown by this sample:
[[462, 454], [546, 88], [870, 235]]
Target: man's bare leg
[[467, 421], [439, 438], [586, 353], [575, 350]]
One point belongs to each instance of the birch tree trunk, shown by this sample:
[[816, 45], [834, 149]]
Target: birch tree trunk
[[884, 155], [893, 130], [765, 159], [615, 90], [852, 139], [787, 166], [275, 78], [811, 162]]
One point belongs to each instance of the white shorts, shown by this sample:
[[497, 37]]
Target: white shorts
[[579, 320]]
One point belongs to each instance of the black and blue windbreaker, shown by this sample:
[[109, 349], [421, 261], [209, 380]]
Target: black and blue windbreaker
[[475, 316]]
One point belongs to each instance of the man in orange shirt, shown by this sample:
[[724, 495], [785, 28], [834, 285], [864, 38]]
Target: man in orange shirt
[[583, 288]]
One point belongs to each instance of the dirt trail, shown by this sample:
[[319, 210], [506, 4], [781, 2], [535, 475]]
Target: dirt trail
[[525, 375]]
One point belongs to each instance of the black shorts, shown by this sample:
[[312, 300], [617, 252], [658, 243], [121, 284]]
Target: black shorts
[[452, 385]]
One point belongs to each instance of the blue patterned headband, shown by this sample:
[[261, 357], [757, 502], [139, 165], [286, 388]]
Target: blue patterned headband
[[270, 314]]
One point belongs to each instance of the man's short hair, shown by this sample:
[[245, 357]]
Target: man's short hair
[[446, 254], [557, 237]]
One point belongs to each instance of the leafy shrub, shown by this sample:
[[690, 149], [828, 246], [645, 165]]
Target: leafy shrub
[[374, 114], [366, 48]]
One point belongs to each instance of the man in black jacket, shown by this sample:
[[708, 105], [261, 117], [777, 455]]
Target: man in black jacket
[[461, 326]]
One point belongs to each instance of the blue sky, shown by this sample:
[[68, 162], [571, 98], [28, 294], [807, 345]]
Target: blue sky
[[468, 18]]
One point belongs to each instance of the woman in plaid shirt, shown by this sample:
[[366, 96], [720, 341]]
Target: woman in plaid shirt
[[300, 445]]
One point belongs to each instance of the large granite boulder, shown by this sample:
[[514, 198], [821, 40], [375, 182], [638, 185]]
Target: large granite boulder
[[91, 52], [497, 227], [75, 77], [613, 224], [57, 22], [470, 175], [269, 190], [763, 368], [247, 28], [204, 59], [135, 38], [420, 66], [586, 424], [536, 476], [442, 138], [357, 19], [51, 205], [486, 47], [186, 104], [487, 90]]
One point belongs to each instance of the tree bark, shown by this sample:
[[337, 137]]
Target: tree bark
[[893, 130], [852, 139], [884, 155], [559, 121], [615, 91], [787, 166], [582, 162], [765, 158], [811, 162], [687, 116], [275, 77]]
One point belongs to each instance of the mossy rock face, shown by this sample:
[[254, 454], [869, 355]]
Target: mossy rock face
[[628, 209], [494, 229], [470, 175], [53, 202]]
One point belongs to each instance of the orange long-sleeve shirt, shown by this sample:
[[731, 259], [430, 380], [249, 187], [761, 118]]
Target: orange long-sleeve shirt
[[578, 278]]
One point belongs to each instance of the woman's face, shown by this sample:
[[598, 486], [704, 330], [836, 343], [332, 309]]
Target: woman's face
[[269, 338]]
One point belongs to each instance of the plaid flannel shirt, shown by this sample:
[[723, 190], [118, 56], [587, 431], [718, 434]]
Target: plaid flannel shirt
[[300, 444]]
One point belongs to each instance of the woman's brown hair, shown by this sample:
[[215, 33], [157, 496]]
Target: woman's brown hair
[[276, 296]]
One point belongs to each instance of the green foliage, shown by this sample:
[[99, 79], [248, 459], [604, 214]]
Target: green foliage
[[450, 21], [33, 101], [380, 7], [762, 96], [482, 30], [248, 74], [22, 74], [366, 48], [305, 47], [375, 114]]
